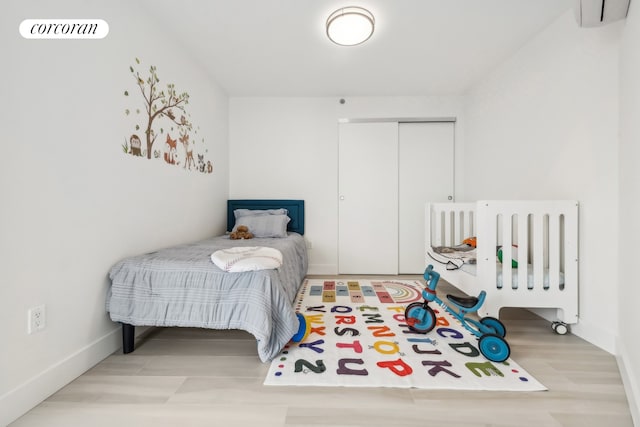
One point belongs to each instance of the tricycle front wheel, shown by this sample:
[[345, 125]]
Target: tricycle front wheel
[[420, 317], [494, 347]]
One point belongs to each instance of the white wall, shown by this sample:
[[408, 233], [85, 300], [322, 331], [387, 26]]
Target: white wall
[[288, 148], [544, 125], [629, 286], [72, 203]]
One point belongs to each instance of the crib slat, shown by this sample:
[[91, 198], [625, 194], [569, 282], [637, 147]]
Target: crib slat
[[554, 251], [507, 271], [538, 250], [523, 249], [469, 216], [455, 228], [447, 229], [436, 238]]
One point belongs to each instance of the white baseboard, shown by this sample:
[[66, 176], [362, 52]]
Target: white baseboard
[[320, 269], [630, 382], [20, 400]]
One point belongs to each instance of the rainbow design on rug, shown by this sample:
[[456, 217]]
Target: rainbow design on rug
[[357, 336], [387, 292]]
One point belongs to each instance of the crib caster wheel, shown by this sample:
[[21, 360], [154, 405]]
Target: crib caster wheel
[[560, 328]]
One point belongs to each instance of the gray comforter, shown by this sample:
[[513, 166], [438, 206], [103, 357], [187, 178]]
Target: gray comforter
[[181, 286]]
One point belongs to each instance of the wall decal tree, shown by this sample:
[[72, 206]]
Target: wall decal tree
[[161, 106], [159, 103]]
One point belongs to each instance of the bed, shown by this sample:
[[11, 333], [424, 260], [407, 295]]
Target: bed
[[526, 253], [182, 286]]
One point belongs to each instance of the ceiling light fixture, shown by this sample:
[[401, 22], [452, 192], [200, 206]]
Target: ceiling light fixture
[[349, 26]]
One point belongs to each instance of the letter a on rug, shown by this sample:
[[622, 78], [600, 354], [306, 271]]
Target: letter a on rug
[[358, 337]]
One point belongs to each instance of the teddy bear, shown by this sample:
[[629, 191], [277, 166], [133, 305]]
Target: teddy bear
[[242, 232]]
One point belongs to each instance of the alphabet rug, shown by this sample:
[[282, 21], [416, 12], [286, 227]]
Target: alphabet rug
[[357, 337]]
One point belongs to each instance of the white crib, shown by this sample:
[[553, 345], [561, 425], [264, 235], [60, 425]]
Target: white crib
[[542, 233]]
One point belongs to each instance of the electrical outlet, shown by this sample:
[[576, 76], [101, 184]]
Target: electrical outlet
[[36, 319]]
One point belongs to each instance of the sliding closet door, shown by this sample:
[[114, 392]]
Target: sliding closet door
[[425, 175], [368, 198]]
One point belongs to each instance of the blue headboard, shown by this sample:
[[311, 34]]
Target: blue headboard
[[294, 207]]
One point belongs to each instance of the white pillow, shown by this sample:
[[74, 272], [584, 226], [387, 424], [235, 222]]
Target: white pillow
[[265, 225], [239, 213]]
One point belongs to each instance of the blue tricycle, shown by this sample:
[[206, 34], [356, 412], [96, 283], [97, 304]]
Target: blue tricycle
[[490, 331]]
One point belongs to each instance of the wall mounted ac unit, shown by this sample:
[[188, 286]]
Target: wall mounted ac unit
[[593, 13]]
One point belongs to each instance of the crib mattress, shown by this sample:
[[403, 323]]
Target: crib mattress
[[473, 268], [465, 260]]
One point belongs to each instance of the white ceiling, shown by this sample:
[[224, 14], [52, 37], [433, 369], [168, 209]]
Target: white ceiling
[[419, 47]]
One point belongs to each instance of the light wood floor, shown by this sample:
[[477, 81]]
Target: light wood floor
[[191, 377]]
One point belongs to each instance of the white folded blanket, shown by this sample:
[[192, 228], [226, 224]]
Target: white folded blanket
[[247, 258]]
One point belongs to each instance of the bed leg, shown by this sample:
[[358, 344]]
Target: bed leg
[[128, 338]]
